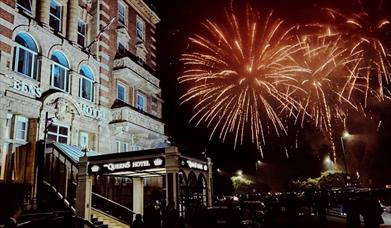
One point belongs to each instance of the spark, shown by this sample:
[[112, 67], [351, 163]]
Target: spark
[[236, 73]]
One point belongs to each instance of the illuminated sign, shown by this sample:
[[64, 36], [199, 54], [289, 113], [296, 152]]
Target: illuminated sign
[[26, 88], [127, 165], [193, 165]]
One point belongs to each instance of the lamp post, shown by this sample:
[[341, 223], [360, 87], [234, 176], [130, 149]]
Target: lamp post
[[345, 135], [257, 164]]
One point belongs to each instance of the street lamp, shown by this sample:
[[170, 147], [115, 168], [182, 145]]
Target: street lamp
[[257, 164], [239, 172], [345, 135]]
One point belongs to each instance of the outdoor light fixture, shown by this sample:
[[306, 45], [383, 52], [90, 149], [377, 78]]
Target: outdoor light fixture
[[239, 172]]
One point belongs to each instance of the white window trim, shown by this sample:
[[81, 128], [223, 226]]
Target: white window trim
[[126, 91], [84, 134], [27, 10], [18, 46], [21, 119], [85, 32], [57, 134], [138, 94], [137, 30], [121, 146], [118, 14], [55, 16], [67, 81], [92, 90]]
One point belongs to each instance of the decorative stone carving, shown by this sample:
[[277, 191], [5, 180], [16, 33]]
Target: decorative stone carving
[[63, 108]]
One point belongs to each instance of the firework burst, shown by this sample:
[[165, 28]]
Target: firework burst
[[324, 87], [367, 30], [236, 73]]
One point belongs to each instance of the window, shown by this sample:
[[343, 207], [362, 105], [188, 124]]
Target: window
[[86, 83], [140, 32], [141, 102], [83, 143], [26, 52], [121, 92], [121, 13], [81, 33], [57, 133], [121, 49], [154, 104], [55, 15], [21, 128], [122, 146], [25, 5], [60, 67]]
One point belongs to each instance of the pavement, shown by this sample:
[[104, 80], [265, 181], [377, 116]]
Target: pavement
[[332, 221]]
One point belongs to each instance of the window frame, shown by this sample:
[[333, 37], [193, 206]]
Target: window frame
[[125, 91], [80, 34], [123, 5], [121, 146], [24, 9], [139, 19], [66, 84], [34, 61], [22, 119], [92, 88], [55, 16], [57, 134], [83, 134], [144, 107]]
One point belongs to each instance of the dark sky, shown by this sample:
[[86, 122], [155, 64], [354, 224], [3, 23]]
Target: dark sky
[[181, 19]]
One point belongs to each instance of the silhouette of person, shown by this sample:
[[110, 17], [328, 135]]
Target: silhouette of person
[[138, 222]]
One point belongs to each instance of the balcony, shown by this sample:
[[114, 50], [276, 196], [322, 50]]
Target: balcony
[[139, 120], [125, 66]]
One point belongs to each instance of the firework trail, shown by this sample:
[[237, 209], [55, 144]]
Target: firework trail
[[236, 73], [368, 29], [324, 87]]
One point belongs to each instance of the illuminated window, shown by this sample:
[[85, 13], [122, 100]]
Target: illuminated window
[[25, 5], [60, 68], [122, 92], [55, 15], [57, 133], [121, 12], [86, 83], [21, 128], [26, 52], [140, 31], [81, 33]]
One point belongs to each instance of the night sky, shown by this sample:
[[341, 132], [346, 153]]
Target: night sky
[[181, 19]]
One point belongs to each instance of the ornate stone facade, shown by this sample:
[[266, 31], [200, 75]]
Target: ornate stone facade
[[75, 82]]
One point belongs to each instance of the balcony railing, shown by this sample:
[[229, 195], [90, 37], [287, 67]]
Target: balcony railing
[[120, 113]]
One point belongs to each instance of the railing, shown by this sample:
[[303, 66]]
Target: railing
[[60, 174], [111, 208], [56, 218]]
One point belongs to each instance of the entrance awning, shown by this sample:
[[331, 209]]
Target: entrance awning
[[72, 152]]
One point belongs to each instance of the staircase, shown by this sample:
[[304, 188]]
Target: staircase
[[59, 188], [107, 220]]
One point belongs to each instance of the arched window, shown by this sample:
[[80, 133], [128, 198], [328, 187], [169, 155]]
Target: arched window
[[26, 52], [202, 188], [192, 187], [60, 68], [86, 83], [183, 195]]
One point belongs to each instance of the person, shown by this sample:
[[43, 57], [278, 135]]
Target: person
[[14, 212], [138, 222], [171, 218]]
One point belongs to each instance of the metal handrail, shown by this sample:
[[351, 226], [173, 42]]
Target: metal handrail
[[111, 208]]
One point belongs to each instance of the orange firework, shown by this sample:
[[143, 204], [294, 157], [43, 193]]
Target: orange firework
[[236, 74], [324, 87], [367, 30]]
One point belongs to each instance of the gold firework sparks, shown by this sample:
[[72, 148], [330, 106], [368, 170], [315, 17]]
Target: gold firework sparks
[[323, 89], [367, 29], [236, 73]]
